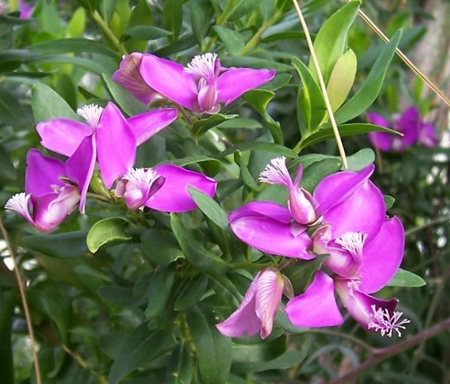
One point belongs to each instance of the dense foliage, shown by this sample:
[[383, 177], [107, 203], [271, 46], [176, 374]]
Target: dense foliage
[[130, 287]]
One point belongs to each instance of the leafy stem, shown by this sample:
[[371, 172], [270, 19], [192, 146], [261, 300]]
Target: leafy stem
[[105, 27]]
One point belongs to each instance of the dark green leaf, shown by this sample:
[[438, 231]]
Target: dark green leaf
[[173, 16], [259, 146], [7, 169], [61, 245], [212, 349], [191, 293], [202, 14], [202, 126], [195, 252], [117, 295], [283, 362], [406, 279], [319, 170], [210, 165], [7, 304], [388, 201], [254, 62], [256, 353], [47, 104], [12, 112], [139, 347], [107, 231], [371, 87], [160, 246], [180, 370], [210, 208], [145, 32], [234, 42], [75, 45], [159, 290]]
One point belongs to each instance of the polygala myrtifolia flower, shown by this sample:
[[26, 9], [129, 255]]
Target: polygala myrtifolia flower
[[201, 86], [107, 137], [163, 188], [410, 124], [349, 224], [259, 306], [51, 190]]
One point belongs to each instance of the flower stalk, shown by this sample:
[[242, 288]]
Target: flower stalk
[[322, 85]]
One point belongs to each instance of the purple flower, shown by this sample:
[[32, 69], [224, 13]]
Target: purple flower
[[163, 188], [50, 195], [365, 251], [408, 124], [259, 306], [107, 137], [428, 136], [25, 10], [201, 86]]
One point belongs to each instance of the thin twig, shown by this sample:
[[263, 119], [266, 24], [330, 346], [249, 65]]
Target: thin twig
[[404, 58], [105, 27], [84, 365], [431, 223], [384, 353], [24, 303], [322, 85]]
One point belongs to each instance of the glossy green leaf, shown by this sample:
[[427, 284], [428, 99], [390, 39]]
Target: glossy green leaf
[[160, 246], [388, 201], [180, 369], [159, 290], [61, 245], [145, 32], [342, 79], [75, 45], [202, 14], [47, 104], [406, 279], [139, 347], [256, 353], [173, 16], [212, 349], [371, 87], [195, 252], [210, 208], [240, 123], [123, 98], [283, 362], [313, 174], [311, 108], [344, 130], [107, 231], [191, 293], [7, 169], [259, 146], [234, 42], [202, 126], [260, 99], [356, 162], [331, 40]]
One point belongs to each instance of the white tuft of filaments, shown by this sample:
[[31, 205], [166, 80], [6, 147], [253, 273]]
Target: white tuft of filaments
[[91, 113], [203, 66], [276, 172], [385, 323]]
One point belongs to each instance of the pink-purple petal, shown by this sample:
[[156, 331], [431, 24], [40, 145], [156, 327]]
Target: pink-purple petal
[[80, 167], [62, 136], [316, 307], [336, 188], [382, 256], [174, 194], [129, 77], [42, 173], [232, 83], [262, 209], [408, 124], [147, 124], [170, 80], [116, 145]]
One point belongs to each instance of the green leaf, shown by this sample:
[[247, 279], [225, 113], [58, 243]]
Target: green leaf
[[344, 130], [301, 274], [209, 165], [286, 35], [159, 290], [145, 32], [66, 245], [388, 201], [7, 169], [406, 279], [259, 99], [212, 349], [209, 207], [242, 8], [191, 293], [77, 23], [47, 104], [160, 246], [259, 146], [283, 362], [234, 42], [180, 369], [123, 98], [117, 295], [139, 347], [107, 231], [342, 79], [202, 14], [202, 126], [194, 250], [75, 45], [319, 170], [240, 123], [256, 353], [311, 108], [331, 40], [371, 87], [255, 62], [173, 16]]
